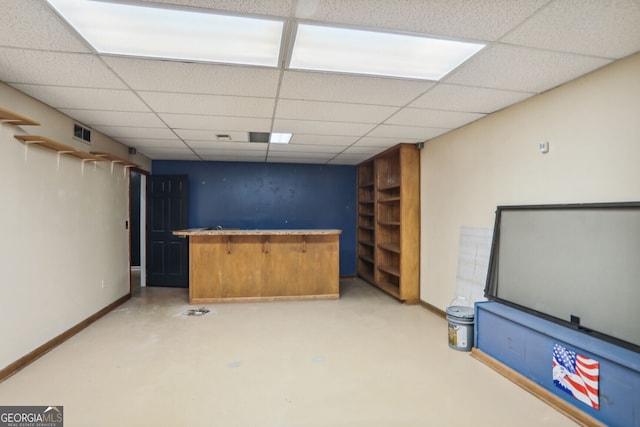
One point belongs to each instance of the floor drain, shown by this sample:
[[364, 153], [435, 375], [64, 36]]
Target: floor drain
[[196, 312]]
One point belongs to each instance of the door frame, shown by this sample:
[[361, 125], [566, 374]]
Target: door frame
[[143, 225]]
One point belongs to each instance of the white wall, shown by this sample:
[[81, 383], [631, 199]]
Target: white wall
[[593, 128], [64, 252]]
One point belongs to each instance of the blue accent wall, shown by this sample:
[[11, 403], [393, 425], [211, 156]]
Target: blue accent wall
[[272, 196]]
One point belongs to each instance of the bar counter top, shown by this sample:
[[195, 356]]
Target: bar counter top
[[247, 232]]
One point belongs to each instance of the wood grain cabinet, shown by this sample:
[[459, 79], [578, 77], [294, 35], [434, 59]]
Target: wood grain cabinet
[[389, 222]]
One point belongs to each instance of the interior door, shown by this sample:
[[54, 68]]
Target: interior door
[[167, 255]]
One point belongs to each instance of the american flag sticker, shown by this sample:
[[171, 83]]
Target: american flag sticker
[[577, 375]]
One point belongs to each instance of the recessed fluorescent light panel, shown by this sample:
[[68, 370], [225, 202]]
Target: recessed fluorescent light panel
[[280, 138], [153, 31], [322, 48]]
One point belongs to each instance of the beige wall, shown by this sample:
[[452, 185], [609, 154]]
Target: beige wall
[[64, 251], [593, 128]]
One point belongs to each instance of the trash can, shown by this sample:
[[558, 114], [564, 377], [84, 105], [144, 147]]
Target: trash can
[[460, 320]]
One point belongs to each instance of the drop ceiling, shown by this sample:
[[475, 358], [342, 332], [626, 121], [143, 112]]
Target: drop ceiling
[[170, 110]]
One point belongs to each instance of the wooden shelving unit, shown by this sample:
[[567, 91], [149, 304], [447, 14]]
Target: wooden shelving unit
[[114, 159], [8, 116], [366, 221], [43, 141], [389, 199]]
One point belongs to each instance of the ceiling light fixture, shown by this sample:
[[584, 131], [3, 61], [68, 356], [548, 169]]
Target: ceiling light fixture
[[322, 48], [280, 138], [171, 33]]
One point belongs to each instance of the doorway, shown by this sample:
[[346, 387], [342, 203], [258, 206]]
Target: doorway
[[137, 226]]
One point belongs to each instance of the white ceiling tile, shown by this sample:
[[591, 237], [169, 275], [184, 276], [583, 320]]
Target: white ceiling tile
[[162, 153], [302, 139], [211, 135], [523, 69], [255, 7], [569, 26], [238, 157], [321, 128], [84, 98], [33, 25], [367, 151], [307, 149], [120, 118], [370, 141], [165, 102], [152, 143], [332, 111], [174, 76], [62, 69], [135, 132], [250, 148], [297, 160], [203, 122], [432, 118], [351, 89], [140, 101], [477, 20], [350, 159], [467, 98], [401, 133]]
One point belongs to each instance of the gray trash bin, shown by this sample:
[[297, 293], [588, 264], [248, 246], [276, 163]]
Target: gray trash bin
[[460, 320]]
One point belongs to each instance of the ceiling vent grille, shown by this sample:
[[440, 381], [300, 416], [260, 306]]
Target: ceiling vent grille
[[259, 136]]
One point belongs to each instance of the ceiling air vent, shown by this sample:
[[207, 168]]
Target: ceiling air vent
[[259, 136], [82, 133]]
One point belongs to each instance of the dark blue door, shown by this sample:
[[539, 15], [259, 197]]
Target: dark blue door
[[167, 255]]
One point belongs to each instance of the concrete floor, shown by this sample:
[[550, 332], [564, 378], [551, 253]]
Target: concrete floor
[[364, 360]]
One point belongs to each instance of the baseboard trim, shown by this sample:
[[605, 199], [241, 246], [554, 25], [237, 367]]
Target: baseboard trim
[[433, 309], [54, 342], [538, 391]]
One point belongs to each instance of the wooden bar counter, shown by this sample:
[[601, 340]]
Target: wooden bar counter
[[262, 265]]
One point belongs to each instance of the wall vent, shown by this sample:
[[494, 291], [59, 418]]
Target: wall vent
[[82, 133]]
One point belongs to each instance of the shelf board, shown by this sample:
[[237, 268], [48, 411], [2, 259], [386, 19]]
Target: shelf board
[[366, 227], [367, 202], [389, 200], [366, 184], [366, 242], [390, 288], [61, 148], [9, 116], [85, 156], [367, 214], [368, 277], [391, 247], [115, 159], [388, 187], [391, 269], [392, 223], [366, 258]]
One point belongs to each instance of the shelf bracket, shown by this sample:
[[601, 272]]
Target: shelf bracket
[[228, 244], [304, 244], [265, 245]]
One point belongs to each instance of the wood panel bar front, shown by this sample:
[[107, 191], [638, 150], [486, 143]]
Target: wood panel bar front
[[262, 265]]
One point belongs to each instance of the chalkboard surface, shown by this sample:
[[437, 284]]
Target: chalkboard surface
[[576, 264]]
